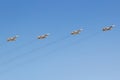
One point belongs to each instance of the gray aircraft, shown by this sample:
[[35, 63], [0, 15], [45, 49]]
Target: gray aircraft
[[108, 28], [10, 39], [76, 32], [43, 36]]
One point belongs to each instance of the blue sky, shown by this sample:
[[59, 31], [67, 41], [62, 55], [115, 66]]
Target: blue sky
[[92, 55]]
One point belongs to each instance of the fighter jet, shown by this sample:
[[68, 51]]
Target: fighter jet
[[108, 28], [76, 32], [12, 38], [43, 36]]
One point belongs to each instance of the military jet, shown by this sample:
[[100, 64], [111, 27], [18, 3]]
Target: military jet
[[43, 36], [76, 32], [12, 38], [108, 28]]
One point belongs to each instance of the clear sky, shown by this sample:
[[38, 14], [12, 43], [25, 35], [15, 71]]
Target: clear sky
[[92, 55]]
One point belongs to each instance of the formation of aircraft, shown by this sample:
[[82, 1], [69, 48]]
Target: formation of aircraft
[[108, 28], [76, 32], [10, 39]]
